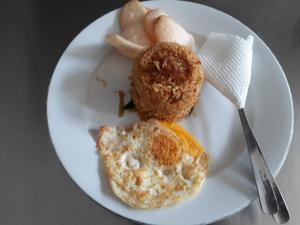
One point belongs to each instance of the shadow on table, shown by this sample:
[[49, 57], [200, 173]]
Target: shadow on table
[[249, 215]]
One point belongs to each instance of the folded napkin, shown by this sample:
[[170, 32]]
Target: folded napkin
[[227, 61]]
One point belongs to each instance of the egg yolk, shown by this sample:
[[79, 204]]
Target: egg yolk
[[192, 145]]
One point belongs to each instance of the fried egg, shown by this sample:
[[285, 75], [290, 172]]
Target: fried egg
[[152, 164]]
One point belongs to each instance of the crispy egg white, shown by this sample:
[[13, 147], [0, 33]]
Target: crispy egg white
[[152, 164]]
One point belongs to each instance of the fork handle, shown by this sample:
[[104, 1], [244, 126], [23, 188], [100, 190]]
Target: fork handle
[[270, 197]]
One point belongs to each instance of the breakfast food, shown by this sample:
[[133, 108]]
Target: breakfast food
[[142, 27], [152, 164], [125, 47], [165, 81], [136, 34], [132, 12], [150, 19], [167, 30]]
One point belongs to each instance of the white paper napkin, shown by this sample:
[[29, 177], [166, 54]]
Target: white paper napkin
[[227, 61]]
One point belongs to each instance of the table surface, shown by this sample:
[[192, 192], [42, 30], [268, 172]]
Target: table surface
[[35, 188]]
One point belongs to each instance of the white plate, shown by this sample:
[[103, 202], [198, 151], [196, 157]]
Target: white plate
[[77, 102]]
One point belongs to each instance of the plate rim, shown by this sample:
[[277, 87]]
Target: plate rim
[[291, 130]]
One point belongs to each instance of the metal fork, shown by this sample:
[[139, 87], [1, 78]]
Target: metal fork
[[270, 197]]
